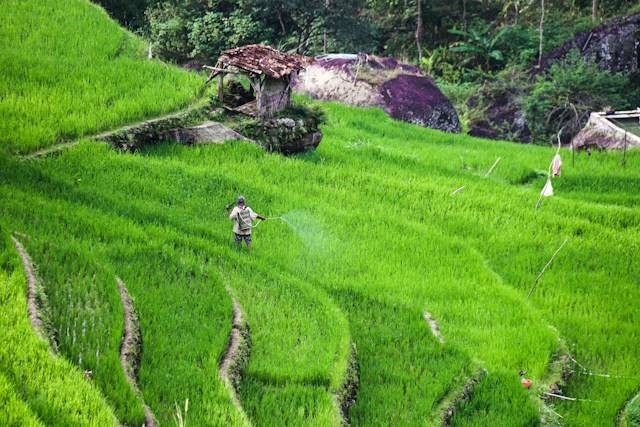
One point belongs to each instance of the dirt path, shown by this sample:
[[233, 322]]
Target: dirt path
[[347, 395], [131, 348], [447, 408], [236, 356], [102, 135], [433, 324], [624, 414], [35, 316]]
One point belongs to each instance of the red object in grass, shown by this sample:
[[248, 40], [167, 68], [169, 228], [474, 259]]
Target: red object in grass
[[526, 382]]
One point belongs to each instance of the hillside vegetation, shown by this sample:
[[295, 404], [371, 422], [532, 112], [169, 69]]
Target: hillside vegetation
[[68, 70], [36, 387], [380, 240], [367, 234]]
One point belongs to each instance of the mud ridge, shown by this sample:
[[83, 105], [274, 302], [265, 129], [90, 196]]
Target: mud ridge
[[36, 298], [625, 412], [433, 324], [196, 106], [452, 400], [131, 348], [236, 356], [347, 395], [557, 374]]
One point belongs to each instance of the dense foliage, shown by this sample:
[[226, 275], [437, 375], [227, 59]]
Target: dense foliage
[[350, 263], [376, 26], [563, 99]]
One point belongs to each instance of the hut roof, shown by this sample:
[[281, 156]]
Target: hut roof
[[263, 60]]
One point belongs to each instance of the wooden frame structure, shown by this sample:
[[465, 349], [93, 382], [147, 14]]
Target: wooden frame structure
[[270, 73]]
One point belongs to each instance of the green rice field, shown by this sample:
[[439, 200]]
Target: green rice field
[[383, 222]]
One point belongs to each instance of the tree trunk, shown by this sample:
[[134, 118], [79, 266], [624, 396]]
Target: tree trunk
[[541, 33], [419, 30], [464, 15], [594, 10], [325, 37]]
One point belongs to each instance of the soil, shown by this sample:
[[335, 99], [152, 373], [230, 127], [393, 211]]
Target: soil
[[348, 394], [433, 324], [33, 308], [236, 355], [131, 348], [461, 395]]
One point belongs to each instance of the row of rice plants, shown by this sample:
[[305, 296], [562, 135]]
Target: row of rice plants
[[420, 249], [433, 156], [119, 242], [412, 268], [69, 70], [87, 315], [37, 387], [588, 291], [15, 411]]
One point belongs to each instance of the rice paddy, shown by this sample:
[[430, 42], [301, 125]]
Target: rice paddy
[[368, 233], [68, 70]]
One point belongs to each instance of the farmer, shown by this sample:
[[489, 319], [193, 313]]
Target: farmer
[[243, 217]]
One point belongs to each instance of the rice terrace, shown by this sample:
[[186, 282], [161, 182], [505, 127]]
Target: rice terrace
[[319, 213]]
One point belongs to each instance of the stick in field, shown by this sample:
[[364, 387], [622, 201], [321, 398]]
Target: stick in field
[[493, 167], [458, 190], [546, 266]]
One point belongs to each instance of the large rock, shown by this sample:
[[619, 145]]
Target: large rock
[[416, 99], [401, 90], [614, 46]]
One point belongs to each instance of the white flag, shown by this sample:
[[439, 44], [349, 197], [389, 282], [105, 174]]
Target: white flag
[[547, 190]]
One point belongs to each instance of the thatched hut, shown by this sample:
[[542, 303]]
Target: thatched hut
[[269, 71]]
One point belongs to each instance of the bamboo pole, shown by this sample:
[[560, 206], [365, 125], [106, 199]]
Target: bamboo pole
[[493, 167], [546, 266]]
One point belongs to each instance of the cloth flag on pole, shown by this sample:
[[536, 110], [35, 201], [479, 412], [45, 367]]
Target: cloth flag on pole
[[547, 190], [556, 164]]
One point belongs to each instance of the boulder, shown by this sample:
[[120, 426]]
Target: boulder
[[614, 46], [416, 99], [401, 90]]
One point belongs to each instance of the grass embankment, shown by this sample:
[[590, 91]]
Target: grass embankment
[[69, 70], [36, 387], [373, 238]]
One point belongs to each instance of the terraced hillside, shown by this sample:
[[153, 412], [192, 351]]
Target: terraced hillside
[[68, 70], [373, 238], [389, 288]]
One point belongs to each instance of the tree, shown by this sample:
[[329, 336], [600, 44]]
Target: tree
[[312, 25], [541, 29], [479, 47], [419, 29]]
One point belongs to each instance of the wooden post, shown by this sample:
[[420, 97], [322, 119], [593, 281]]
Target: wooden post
[[624, 154], [541, 29], [221, 88]]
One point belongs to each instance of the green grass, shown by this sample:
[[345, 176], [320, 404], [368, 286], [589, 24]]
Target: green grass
[[68, 70], [373, 239]]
